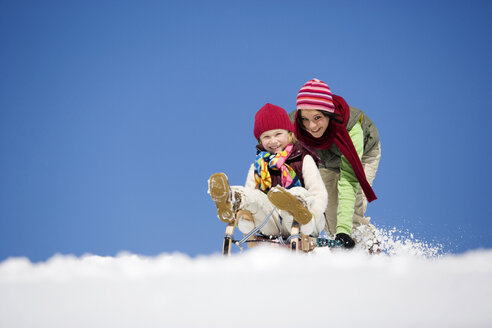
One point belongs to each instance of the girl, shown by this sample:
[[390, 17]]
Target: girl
[[348, 144], [284, 176]]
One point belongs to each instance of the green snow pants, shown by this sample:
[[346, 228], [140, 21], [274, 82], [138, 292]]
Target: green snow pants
[[370, 163]]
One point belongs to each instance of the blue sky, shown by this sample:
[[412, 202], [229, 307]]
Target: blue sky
[[113, 114]]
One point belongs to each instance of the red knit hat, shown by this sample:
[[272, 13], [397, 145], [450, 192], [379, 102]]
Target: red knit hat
[[271, 117], [315, 94]]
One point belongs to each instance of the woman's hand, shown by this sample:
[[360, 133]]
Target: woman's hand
[[347, 241]]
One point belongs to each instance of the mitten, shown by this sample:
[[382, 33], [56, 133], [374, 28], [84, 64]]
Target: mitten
[[347, 241]]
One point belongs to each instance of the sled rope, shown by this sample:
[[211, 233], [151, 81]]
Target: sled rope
[[281, 239], [254, 231]]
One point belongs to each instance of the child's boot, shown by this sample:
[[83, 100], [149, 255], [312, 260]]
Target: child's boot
[[285, 201], [220, 192]]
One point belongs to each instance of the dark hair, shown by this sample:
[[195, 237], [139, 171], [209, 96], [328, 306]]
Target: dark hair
[[331, 116]]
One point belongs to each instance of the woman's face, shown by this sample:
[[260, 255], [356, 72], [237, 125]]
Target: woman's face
[[314, 122]]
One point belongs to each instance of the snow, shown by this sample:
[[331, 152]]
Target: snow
[[259, 287]]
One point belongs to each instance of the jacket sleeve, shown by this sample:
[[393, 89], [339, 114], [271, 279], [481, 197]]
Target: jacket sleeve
[[348, 184], [250, 180], [314, 184]]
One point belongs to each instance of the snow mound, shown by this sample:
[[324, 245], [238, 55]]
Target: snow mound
[[259, 287]]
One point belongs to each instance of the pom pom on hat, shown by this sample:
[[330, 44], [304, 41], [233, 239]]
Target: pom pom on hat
[[271, 117], [315, 94]]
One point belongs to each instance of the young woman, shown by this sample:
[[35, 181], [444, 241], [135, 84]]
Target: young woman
[[348, 144]]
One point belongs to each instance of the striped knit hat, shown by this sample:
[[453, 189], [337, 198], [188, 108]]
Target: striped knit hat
[[315, 94]]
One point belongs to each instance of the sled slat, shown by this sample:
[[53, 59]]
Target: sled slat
[[294, 242], [229, 233]]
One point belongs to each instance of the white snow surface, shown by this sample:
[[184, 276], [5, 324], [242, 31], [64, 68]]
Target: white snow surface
[[260, 287]]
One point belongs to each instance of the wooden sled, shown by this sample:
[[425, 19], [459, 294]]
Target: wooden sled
[[296, 242]]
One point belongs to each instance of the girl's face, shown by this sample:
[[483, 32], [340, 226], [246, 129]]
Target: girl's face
[[314, 122], [274, 140]]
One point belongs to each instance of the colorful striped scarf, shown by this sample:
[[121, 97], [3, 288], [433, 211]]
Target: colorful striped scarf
[[265, 161]]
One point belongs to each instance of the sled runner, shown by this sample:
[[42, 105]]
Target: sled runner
[[295, 242]]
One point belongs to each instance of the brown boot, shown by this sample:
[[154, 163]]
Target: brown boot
[[220, 192], [285, 201]]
